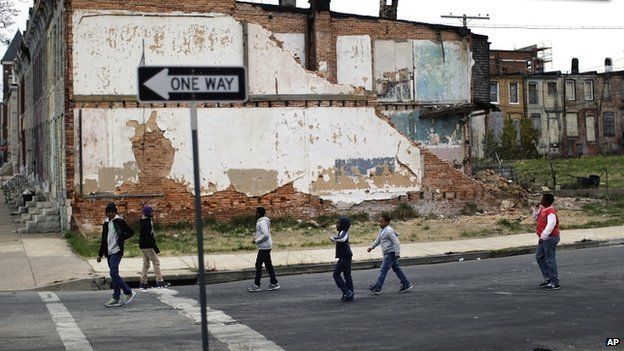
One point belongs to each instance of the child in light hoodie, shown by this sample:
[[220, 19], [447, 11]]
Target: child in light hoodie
[[344, 256], [391, 247], [262, 238]]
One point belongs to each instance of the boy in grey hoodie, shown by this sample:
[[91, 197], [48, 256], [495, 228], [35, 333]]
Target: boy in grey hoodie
[[262, 238], [391, 247]]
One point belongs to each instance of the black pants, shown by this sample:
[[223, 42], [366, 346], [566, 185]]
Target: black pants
[[264, 257], [343, 266]]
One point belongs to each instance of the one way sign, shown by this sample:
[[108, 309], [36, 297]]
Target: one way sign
[[184, 83]]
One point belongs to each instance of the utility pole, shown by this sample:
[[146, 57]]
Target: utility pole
[[465, 19]]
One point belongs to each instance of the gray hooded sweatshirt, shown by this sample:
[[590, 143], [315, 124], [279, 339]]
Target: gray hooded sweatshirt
[[262, 237], [389, 242]]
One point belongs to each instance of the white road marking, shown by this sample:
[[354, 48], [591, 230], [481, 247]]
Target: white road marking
[[237, 336], [72, 337]]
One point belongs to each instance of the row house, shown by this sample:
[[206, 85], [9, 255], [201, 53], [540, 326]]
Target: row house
[[345, 112]]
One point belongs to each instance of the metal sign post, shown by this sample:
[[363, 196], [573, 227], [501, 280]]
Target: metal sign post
[[194, 84]]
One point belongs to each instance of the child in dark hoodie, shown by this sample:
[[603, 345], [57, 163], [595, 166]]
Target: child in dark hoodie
[[148, 247], [344, 256], [115, 231]]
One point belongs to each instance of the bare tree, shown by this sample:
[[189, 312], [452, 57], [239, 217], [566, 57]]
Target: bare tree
[[8, 12]]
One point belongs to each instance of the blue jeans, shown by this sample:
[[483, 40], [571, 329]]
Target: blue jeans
[[343, 266], [390, 261], [546, 256], [118, 283]]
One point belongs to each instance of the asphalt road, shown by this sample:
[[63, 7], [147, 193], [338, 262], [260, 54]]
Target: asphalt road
[[490, 304]]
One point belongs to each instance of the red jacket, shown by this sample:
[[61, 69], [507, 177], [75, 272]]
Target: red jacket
[[542, 221]]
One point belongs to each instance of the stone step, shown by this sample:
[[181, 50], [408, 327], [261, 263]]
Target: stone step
[[44, 204], [50, 212], [45, 218]]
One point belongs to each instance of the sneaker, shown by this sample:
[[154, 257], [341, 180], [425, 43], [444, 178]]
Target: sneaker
[[127, 298], [113, 302], [552, 286], [544, 284], [405, 288], [254, 288], [374, 290], [275, 286], [162, 284], [349, 296], [144, 286]]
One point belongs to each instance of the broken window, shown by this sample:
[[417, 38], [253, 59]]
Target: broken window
[[552, 88], [513, 93], [571, 124], [608, 124], [588, 90], [553, 128], [494, 95], [570, 87], [590, 124], [533, 97]]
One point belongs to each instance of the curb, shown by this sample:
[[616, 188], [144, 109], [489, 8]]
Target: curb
[[218, 277]]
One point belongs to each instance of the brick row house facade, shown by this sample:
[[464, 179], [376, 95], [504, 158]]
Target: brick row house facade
[[345, 112]]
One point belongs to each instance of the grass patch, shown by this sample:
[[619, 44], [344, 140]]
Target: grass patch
[[538, 170], [83, 246], [476, 233], [403, 211], [610, 222]]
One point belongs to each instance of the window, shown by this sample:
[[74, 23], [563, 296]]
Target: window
[[606, 93], [494, 95], [588, 90], [571, 125], [590, 124], [608, 124], [533, 97], [553, 128], [570, 90], [536, 118], [552, 88], [513, 93]]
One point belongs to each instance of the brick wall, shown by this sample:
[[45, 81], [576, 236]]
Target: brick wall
[[480, 72]]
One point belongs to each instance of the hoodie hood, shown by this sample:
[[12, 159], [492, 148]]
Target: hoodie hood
[[345, 223], [264, 219]]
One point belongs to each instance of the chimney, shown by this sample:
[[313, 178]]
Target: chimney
[[608, 65], [288, 3], [388, 9], [575, 69], [319, 5]]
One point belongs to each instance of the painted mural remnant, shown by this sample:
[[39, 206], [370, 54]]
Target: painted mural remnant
[[358, 167]]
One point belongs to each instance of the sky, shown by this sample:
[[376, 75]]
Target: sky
[[590, 46]]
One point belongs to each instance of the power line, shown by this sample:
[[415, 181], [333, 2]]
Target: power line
[[546, 27]]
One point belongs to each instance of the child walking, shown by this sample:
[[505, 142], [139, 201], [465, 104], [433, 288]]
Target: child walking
[[548, 233], [262, 238], [391, 247], [344, 256], [115, 231], [148, 247]]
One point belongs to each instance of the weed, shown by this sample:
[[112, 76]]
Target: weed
[[470, 209], [476, 233], [403, 211]]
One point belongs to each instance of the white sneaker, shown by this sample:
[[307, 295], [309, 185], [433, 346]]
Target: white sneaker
[[276, 286], [254, 288]]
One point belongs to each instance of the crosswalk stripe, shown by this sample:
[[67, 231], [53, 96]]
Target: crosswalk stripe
[[72, 337], [235, 335]]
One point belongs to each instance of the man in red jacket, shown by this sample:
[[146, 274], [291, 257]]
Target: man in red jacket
[[548, 234]]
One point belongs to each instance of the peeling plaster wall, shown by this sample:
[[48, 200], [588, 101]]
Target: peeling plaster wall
[[295, 43], [345, 155], [394, 68], [107, 46], [443, 136], [284, 75], [442, 71], [354, 61]]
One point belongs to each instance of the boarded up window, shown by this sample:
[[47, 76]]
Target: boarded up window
[[553, 128], [606, 93], [353, 56], [608, 124], [533, 97], [394, 67], [588, 90], [513, 93], [571, 124], [590, 124], [570, 90], [536, 119]]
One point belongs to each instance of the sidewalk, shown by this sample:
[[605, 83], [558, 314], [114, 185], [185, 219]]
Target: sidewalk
[[37, 261], [31, 261]]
